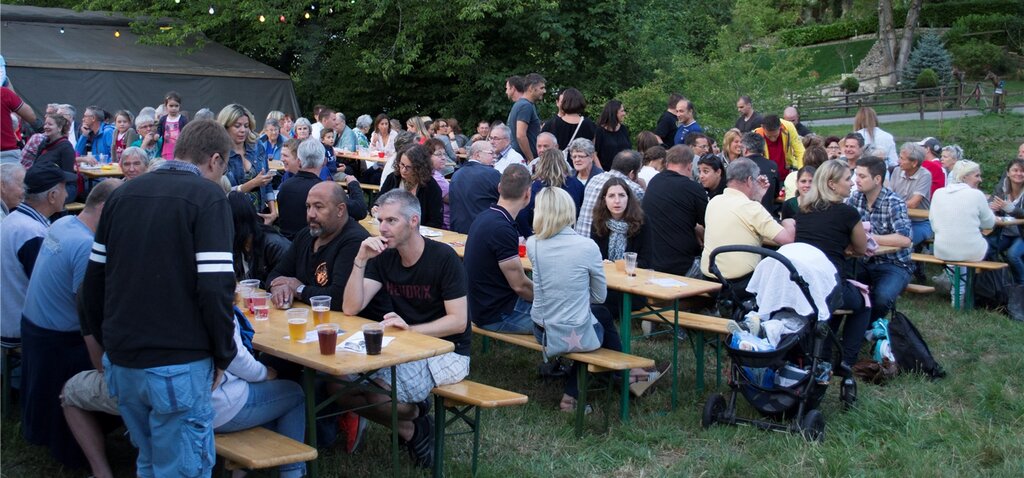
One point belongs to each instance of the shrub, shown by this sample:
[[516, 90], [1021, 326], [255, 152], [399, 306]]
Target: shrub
[[927, 79], [977, 57], [929, 53], [850, 85]]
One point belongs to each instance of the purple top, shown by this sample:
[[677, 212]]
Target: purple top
[[443, 184]]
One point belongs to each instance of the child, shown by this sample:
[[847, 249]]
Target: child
[[330, 163], [171, 124], [124, 135]]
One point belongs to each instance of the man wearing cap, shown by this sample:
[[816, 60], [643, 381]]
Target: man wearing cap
[[932, 153], [20, 238]]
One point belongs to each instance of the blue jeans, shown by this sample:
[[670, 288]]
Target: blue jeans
[[1013, 248], [887, 281], [168, 414], [606, 332], [516, 322], [854, 325], [920, 231], [278, 406]]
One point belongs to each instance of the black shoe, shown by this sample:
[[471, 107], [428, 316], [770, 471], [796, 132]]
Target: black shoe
[[553, 369], [421, 445]]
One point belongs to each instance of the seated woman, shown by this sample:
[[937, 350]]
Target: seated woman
[[958, 213], [950, 155], [1008, 200], [414, 173], [712, 174], [805, 177], [814, 156], [552, 171], [439, 162], [257, 247], [584, 160], [248, 396], [826, 222], [272, 139], [618, 228]]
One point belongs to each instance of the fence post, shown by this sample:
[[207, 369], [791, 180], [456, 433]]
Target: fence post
[[942, 101], [920, 105]]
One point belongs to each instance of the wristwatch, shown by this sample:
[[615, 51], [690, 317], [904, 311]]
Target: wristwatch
[[299, 289]]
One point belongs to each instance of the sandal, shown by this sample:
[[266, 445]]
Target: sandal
[[639, 387], [568, 405]]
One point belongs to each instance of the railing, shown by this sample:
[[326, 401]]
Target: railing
[[941, 98]]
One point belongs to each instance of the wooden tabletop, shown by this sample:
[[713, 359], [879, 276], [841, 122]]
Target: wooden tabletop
[[641, 284], [408, 346], [355, 156], [917, 213], [112, 170]]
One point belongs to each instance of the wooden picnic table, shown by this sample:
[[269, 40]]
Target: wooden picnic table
[[408, 346], [112, 170], [1000, 220], [357, 157], [662, 287]]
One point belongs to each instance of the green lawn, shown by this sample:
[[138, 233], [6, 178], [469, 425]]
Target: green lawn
[[830, 61], [991, 140], [968, 424]]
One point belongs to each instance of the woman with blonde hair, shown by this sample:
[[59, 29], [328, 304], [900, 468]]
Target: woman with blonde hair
[[866, 123], [552, 171], [826, 222], [247, 160], [958, 213], [731, 147]]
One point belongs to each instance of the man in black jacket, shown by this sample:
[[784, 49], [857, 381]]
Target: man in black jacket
[[164, 245], [753, 149]]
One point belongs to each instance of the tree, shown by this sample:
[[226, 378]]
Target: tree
[[887, 39], [929, 54], [913, 12]]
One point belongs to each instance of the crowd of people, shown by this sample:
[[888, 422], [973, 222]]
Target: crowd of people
[[124, 311]]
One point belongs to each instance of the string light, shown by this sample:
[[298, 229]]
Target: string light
[[281, 18], [306, 15], [177, 1], [211, 9], [312, 7], [117, 33], [262, 18], [330, 10]]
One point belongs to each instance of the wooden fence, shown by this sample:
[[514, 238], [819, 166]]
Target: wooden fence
[[942, 98]]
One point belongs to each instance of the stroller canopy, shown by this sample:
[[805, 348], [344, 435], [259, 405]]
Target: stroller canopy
[[775, 290]]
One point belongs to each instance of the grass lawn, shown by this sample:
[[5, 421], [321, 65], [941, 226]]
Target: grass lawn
[[969, 424], [832, 60], [991, 140]]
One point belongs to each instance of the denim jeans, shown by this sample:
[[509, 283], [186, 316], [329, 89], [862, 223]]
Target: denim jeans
[[278, 406], [168, 414], [518, 321], [887, 281], [1013, 248], [606, 332], [920, 231], [854, 325]]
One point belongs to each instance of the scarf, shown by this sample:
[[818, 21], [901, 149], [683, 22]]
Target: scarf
[[617, 239]]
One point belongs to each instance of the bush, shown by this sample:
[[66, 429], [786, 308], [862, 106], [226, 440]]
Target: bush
[[1002, 25], [976, 58], [850, 85], [927, 79]]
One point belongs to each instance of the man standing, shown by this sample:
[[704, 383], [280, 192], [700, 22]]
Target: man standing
[[735, 217], [626, 166], [523, 119], [887, 274], [790, 114], [474, 186], [932, 153], [324, 119], [753, 146], [782, 145], [912, 184], [687, 123], [20, 239], [52, 346], [167, 326], [11, 103], [501, 140], [500, 294], [749, 119], [668, 123], [96, 136], [291, 198], [319, 260], [427, 284], [674, 208]]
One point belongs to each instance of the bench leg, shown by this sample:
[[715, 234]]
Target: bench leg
[[487, 344], [626, 334], [698, 352], [439, 436], [309, 386], [956, 287], [581, 401], [675, 354], [476, 437], [969, 293]]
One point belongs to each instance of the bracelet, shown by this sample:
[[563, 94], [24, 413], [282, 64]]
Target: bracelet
[[359, 266]]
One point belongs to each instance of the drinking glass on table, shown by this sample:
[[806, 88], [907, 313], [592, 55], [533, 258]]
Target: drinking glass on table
[[297, 320], [261, 305], [321, 305], [327, 335], [246, 289], [373, 338], [630, 264]]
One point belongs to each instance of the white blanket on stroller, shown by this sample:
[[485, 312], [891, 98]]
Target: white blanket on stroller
[[775, 291]]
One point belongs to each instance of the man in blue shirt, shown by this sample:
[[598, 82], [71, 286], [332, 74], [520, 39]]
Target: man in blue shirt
[[474, 186], [523, 119], [500, 295], [96, 136], [687, 123], [345, 137]]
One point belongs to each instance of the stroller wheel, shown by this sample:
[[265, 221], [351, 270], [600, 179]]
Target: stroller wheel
[[813, 426], [714, 408], [848, 393]]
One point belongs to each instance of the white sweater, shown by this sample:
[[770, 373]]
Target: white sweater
[[229, 398], [958, 213]]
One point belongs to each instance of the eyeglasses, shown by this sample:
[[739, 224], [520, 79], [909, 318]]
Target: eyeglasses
[[439, 153], [498, 138], [405, 167]]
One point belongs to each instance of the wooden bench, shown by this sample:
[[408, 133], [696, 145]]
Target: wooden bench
[[74, 207], [919, 289], [700, 324], [460, 399], [971, 266], [259, 448], [600, 360]]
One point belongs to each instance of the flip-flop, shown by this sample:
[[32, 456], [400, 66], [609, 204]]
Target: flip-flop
[[654, 374]]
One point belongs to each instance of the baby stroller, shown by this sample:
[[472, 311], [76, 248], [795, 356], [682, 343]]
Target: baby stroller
[[786, 383]]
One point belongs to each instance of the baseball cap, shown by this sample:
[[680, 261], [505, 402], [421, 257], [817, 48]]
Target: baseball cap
[[932, 144], [42, 177]]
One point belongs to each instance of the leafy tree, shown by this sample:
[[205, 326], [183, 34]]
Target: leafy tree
[[930, 53]]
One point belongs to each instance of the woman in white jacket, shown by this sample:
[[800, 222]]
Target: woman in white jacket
[[248, 396], [958, 213], [866, 123]]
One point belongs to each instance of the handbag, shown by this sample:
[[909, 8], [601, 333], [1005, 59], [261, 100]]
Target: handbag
[[561, 337], [566, 150]]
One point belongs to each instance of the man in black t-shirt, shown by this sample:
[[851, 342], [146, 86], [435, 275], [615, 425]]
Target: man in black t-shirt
[[667, 124], [674, 209], [427, 285]]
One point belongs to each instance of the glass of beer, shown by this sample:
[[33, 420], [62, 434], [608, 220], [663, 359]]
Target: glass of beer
[[373, 335], [297, 320], [328, 337], [260, 305], [321, 305]]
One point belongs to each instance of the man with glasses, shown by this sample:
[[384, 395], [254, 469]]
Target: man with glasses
[[700, 145], [501, 140], [97, 135], [474, 186]]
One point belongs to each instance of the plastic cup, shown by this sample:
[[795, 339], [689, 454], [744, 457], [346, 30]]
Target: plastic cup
[[260, 305], [327, 334], [297, 321], [321, 305], [630, 264], [373, 335], [249, 286], [380, 154]]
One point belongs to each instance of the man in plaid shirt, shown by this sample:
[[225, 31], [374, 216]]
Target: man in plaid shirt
[[887, 274]]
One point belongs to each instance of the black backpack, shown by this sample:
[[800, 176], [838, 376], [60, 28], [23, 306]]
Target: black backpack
[[909, 348]]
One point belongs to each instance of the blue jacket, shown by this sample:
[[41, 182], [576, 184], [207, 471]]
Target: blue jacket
[[102, 141]]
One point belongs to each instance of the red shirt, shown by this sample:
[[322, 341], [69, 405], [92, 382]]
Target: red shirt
[[938, 176], [9, 102], [777, 154]]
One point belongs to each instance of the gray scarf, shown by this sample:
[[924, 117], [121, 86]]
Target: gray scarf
[[617, 239]]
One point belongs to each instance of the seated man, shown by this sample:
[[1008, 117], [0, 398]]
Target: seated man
[[887, 274], [626, 165], [474, 186], [427, 284], [737, 217], [291, 197], [319, 260], [500, 294], [674, 209], [912, 183]]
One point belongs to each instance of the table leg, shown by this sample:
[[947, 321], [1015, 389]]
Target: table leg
[[698, 352], [675, 353], [626, 336], [969, 292], [581, 400], [394, 419], [956, 289], [439, 436], [309, 387]]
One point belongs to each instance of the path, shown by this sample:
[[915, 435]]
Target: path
[[893, 117]]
